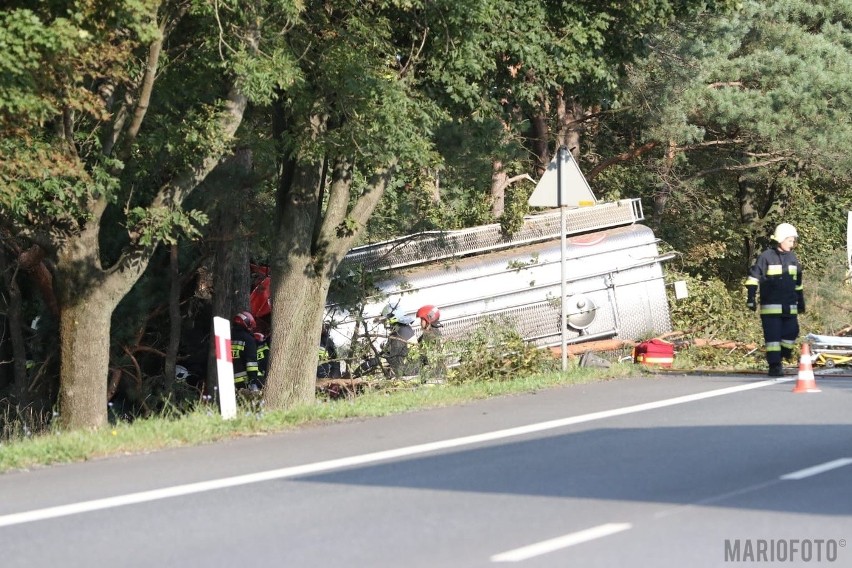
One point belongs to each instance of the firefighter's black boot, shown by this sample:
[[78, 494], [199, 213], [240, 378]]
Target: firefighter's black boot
[[775, 370]]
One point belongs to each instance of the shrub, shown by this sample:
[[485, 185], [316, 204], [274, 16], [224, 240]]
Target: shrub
[[495, 351]]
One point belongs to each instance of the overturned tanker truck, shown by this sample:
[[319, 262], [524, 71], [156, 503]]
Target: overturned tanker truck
[[615, 284]]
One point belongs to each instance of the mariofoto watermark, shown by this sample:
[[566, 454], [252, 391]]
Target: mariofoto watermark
[[784, 549]]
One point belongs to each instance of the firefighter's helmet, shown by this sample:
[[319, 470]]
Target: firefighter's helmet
[[392, 315], [430, 314], [245, 320], [783, 231]]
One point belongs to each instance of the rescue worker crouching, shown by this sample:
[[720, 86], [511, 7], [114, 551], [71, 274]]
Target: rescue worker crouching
[[777, 277], [329, 363], [430, 323], [430, 342], [244, 352], [394, 351], [400, 336]]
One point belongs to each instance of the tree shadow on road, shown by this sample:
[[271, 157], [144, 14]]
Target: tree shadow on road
[[723, 466]]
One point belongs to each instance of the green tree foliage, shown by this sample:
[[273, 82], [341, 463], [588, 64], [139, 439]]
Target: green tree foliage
[[747, 114], [112, 114], [522, 77]]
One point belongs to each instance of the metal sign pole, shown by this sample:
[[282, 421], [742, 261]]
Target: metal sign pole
[[560, 187], [568, 189]]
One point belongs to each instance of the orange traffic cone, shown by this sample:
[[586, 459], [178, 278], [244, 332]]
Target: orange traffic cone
[[806, 381]]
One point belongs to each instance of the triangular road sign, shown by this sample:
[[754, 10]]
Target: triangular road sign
[[574, 190]]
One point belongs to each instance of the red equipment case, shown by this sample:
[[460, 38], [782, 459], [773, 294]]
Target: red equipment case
[[654, 352]]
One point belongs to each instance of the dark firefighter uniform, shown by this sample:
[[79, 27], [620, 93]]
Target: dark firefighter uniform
[[395, 350], [262, 356], [778, 276], [244, 355]]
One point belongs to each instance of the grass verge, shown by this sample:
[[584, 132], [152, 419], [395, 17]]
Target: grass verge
[[205, 426]]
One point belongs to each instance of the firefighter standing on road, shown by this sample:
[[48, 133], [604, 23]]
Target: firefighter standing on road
[[778, 275]]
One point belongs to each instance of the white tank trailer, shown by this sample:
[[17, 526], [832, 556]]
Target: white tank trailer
[[615, 285]]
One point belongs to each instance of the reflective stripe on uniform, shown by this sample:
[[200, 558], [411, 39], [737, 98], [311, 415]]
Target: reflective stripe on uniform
[[771, 309], [237, 348], [777, 309]]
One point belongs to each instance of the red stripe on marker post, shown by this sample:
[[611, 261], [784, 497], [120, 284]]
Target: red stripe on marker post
[[223, 349]]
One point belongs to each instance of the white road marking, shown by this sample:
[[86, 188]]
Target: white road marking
[[558, 543], [796, 475], [714, 499], [817, 469], [329, 465]]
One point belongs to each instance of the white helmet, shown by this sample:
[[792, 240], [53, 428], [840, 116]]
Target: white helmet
[[783, 231], [393, 316]]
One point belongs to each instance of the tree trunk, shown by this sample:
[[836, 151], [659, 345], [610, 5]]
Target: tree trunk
[[541, 133], [231, 277], [84, 334], [661, 197], [231, 269], [87, 297], [298, 282], [301, 295], [316, 225], [174, 320], [749, 217], [231, 281], [498, 188], [570, 115], [233, 253]]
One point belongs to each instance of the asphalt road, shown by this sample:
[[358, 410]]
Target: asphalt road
[[665, 471]]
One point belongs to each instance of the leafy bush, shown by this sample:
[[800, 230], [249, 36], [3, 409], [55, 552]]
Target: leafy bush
[[742, 356], [828, 298], [496, 352], [712, 311]]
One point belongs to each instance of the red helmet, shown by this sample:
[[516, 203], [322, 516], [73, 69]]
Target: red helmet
[[429, 313], [246, 320], [259, 337]]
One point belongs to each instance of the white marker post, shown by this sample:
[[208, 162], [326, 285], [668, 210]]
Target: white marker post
[[563, 185], [225, 368]]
